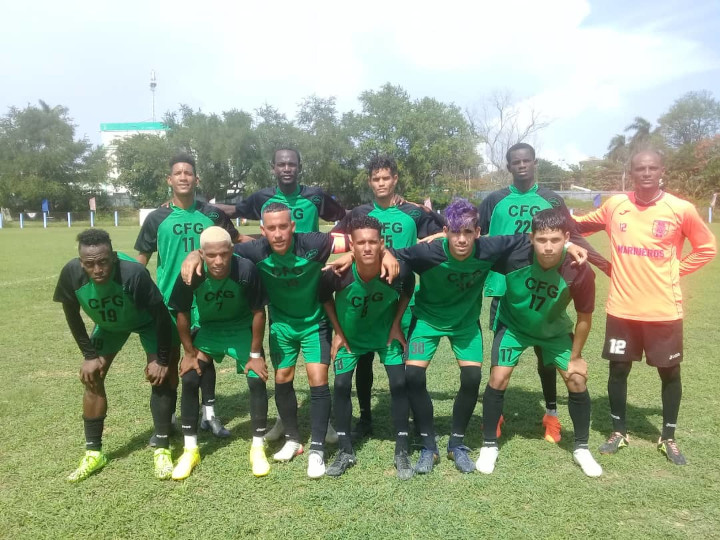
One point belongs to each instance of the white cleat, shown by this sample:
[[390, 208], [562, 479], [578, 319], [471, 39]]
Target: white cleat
[[589, 466], [277, 431], [316, 464], [486, 462], [289, 450], [331, 437]]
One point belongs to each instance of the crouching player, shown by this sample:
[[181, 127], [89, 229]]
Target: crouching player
[[230, 300], [366, 314], [541, 282], [119, 296]]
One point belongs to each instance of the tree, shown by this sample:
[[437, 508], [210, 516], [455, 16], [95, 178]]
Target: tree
[[642, 128], [552, 174], [693, 117], [143, 162], [618, 150], [41, 159], [499, 123]]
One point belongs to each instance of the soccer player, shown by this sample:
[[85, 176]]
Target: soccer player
[[541, 281], [647, 230], [365, 314], [290, 266], [403, 224], [452, 273], [119, 296], [230, 300], [174, 231], [510, 211]]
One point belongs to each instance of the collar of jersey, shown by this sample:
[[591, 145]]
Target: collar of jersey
[[381, 209], [289, 252], [295, 193], [450, 257], [358, 278], [515, 190], [191, 209]]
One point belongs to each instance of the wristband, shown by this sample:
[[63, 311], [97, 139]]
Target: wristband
[[255, 355]]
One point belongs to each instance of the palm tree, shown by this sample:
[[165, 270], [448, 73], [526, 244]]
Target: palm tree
[[642, 132], [617, 149]]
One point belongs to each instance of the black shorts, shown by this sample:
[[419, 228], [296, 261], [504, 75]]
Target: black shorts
[[626, 340]]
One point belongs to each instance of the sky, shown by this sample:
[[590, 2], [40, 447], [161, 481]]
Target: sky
[[589, 68]]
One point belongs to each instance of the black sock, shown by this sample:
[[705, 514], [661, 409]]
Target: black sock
[[492, 410], [343, 409], [319, 416], [617, 394], [548, 381], [162, 404], [191, 383], [579, 408], [671, 396], [207, 382], [465, 402], [258, 406], [93, 432], [286, 402], [399, 406], [363, 384], [421, 405]]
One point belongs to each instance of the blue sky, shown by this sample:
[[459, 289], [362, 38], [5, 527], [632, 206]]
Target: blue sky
[[588, 67]]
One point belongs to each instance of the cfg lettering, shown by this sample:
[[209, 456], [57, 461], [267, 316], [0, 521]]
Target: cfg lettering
[[520, 210], [185, 228]]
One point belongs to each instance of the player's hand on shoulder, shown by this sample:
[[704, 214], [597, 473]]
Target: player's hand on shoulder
[[340, 265], [390, 267], [259, 366], [579, 254], [432, 237], [191, 265]]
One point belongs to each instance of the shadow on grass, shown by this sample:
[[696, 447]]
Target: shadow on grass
[[636, 420]]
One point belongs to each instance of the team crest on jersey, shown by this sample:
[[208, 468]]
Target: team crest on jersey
[[414, 213], [214, 216], [660, 228], [310, 255], [554, 202], [316, 199]]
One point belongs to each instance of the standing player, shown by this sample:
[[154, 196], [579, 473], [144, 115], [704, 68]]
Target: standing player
[[510, 211], [120, 297], [541, 282], [365, 314], [403, 224], [647, 230], [230, 300], [452, 273], [174, 231]]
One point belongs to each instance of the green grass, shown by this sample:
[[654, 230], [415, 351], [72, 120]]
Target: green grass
[[536, 490]]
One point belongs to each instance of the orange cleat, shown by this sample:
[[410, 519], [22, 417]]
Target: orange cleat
[[552, 428]]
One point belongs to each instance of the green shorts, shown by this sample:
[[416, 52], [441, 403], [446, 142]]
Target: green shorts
[[107, 342], [389, 356], [286, 343], [508, 346], [233, 342], [423, 339]]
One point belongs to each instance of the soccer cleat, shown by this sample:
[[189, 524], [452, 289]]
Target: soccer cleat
[[277, 431], [552, 428], [215, 425], [188, 461], [258, 461], [343, 461], [331, 436], [498, 431], [403, 466], [460, 455], [91, 462], [486, 462], [616, 441], [363, 428], [289, 450], [316, 464], [670, 448], [163, 463], [589, 466], [426, 461]]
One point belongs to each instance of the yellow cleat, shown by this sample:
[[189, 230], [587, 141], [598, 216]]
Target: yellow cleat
[[259, 462], [187, 462], [163, 463]]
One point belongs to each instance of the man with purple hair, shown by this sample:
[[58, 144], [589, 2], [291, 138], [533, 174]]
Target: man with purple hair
[[452, 273]]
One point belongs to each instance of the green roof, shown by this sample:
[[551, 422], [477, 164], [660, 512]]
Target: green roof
[[133, 126]]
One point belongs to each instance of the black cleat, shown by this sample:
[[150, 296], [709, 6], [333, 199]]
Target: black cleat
[[426, 462], [403, 466], [343, 461], [616, 441], [461, 456], [215, 425], [670, 448]]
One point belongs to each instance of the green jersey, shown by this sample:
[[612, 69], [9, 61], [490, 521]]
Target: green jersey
[[291, 280], [174, 232], [366, 310], [307, 205], [402, 225], [534, 305], [450, 289], [222, 303]]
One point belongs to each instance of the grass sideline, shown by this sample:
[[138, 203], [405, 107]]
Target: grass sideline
[[535, 492]]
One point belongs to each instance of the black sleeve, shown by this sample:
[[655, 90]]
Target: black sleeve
[[78, 330], [484, 215], [142, 288], [148, 237], [575, 235], [343, 225], [163, 328], [329, 283], [422, 257], [429, 223], [329, 209], [316, 246], [582, 290], [254, 287], [493, 248], [226, 223], [249, 208], [65, 290], [514, 260], [254, 251], [407, 277], [181, 297]]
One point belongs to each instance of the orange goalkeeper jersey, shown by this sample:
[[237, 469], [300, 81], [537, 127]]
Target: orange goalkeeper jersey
[[646, 244]]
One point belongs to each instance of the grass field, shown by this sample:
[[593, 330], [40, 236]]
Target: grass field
[[535, 492]]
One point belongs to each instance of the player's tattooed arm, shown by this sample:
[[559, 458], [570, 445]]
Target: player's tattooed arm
[[256, 362], [190, 358]]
